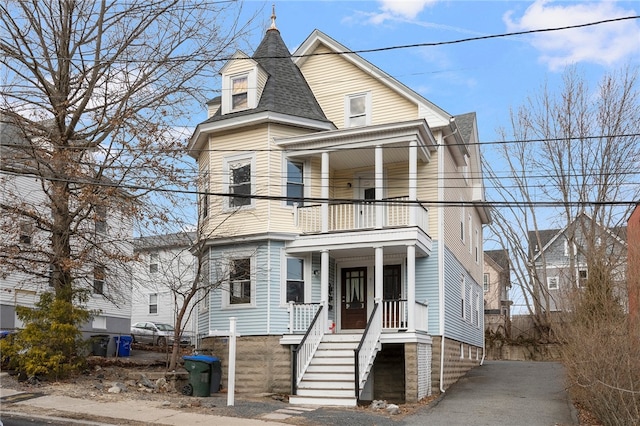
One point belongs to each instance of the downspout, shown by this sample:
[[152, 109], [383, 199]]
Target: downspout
[[269, 240], [441, 293]]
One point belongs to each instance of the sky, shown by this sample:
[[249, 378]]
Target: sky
[[486, 76]]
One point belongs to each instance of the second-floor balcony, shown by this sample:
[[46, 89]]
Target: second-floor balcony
[[351, 216]]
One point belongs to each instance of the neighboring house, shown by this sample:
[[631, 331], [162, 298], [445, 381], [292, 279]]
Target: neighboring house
[[335, 192], [165, 271], [496, 283], [561, 259], [633, 283], [25, 246]]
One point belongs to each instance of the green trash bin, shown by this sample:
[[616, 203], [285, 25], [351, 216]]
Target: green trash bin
[[200, 368], [99, 344]]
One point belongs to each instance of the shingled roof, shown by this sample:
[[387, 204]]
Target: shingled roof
[[286, 90]]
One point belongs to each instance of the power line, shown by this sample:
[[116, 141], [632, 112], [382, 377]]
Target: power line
[[378, 49], [319, 200]]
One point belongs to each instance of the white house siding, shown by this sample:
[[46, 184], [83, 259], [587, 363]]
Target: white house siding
[[466, 330], [176, 268], [387, 106], [15, 286]]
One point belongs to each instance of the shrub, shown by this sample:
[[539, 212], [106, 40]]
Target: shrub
[[50, 344]]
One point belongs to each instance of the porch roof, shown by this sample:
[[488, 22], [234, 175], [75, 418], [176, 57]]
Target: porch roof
[[347, 147]]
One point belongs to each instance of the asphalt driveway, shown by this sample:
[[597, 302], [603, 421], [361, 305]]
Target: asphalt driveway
[[504, 393]]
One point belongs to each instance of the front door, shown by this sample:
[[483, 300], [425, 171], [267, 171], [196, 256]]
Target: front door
[[354, 298]]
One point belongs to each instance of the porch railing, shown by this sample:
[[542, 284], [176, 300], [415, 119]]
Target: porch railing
[[360, 215], [303, 353], [301, 315], [422, 316], [395, 314], [366, 351]]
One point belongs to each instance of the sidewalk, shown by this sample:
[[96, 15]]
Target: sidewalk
[[149, 412]]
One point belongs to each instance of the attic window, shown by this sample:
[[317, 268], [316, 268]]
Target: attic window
[[239, 92], [358, 110]]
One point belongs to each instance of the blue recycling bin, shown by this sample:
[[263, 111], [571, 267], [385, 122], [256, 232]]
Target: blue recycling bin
[[123, 345]]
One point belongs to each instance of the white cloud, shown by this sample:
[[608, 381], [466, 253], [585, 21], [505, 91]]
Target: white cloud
[[392, 10], [603, 44]]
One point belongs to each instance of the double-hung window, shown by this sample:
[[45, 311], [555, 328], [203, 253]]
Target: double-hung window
[[240, 281], [99, 275], [552, 283], [101, 219], [358, 110], [239, 92], [295, 183], [239, 172], [153, 262], [485, 279], [153, 303], [295, 280]]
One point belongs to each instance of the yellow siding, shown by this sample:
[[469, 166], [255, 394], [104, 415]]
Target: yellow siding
[[268, 215], [456, 189], [330, 90]]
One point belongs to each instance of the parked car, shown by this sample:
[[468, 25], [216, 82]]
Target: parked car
[[156, 333]]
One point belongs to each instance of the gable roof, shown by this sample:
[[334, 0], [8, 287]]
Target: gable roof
[[317, 38], [286, 91], [549, 236]]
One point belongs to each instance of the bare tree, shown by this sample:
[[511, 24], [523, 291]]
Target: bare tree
[[566, 154], [94, 92]]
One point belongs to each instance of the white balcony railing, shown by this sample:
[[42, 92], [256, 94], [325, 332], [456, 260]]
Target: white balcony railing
[[361, 215]]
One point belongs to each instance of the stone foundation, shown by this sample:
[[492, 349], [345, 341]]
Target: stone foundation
[[263, 365], [457, 361]]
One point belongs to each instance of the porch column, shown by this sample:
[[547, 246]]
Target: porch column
[[379, 273], [413, 181], [379, 176], [411, 287], [324, 191], [324, 285]]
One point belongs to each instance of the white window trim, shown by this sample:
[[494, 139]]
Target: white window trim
[[463, 296], [150, 304], [470, 220], [283, 278], [99, 322], [226, 289], [252, 90], [227, 161], [486, 282], [347, 108], [306, 178], [463, 229], [552, 279]]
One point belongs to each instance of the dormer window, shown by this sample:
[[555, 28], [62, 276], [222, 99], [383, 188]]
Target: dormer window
[[240, 89], [239, 92]]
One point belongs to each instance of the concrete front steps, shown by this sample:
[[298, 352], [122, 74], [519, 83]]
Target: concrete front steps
[[329, 379]]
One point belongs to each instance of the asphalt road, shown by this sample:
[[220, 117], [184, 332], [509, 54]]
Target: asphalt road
[[503, 393]]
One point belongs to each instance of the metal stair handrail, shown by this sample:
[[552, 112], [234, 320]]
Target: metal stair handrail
[[365, 353], [306, 349]]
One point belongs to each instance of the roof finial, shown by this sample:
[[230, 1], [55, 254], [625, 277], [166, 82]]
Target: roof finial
[[273, 18]]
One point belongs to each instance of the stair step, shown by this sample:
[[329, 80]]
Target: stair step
[[333, 393], [323, 401], [330, 368], [328, 380]]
